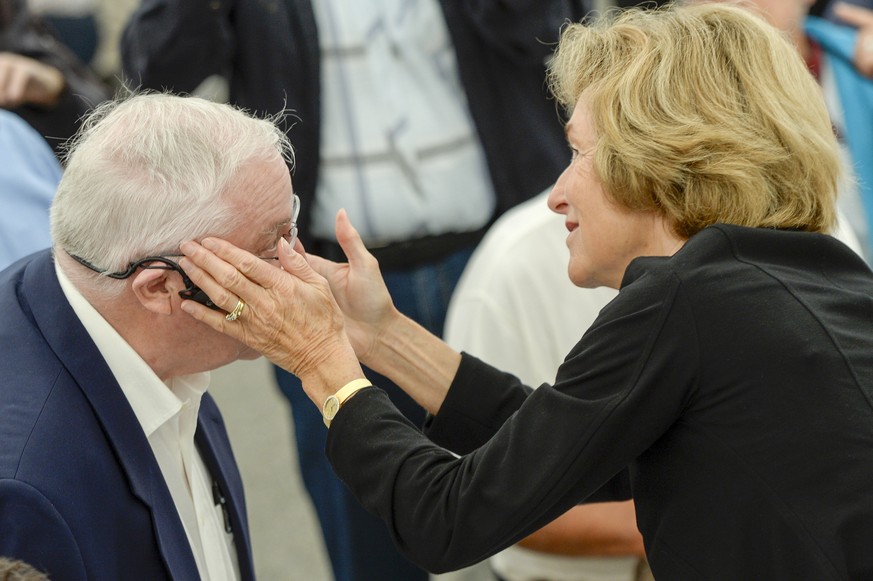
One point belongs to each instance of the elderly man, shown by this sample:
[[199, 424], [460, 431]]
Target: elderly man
[[114, 461]]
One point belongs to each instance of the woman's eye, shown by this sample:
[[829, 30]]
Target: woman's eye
[[576, 154]]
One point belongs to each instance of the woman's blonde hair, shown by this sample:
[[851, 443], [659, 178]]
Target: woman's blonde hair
[[704, 113]]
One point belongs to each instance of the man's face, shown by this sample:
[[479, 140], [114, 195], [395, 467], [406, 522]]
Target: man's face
[[264, 206]]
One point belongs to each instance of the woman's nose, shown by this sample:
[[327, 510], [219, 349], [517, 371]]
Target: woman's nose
[[557, 201]]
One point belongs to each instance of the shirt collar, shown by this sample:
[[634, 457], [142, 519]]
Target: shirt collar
[[153, 401]]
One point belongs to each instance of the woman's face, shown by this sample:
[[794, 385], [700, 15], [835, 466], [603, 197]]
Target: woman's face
[[604, 237]]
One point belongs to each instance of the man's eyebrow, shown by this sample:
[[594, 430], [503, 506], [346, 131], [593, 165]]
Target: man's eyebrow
[[276, 227]]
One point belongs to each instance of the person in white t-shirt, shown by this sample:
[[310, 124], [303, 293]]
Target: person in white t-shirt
[[516, 288]]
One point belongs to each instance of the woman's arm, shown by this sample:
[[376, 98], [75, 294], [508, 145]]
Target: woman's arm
[[418, 361], [590, 530]]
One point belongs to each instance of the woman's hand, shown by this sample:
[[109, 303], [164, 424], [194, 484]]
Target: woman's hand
[[316, 318], [290, 315], [359, 289], [386, 341]]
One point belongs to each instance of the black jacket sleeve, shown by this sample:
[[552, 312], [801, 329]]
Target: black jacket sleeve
[[528, 456]]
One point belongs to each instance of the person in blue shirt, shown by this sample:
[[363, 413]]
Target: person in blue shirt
[[29, 175]]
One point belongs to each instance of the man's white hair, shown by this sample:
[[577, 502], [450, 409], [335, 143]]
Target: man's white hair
[[149, 171]]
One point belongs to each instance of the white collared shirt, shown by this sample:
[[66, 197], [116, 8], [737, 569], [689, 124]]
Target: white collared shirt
[[399, 149], [167, 413]]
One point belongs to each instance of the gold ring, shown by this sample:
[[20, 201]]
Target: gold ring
[[237, 311]]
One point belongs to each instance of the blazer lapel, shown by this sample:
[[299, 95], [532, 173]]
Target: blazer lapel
[[214, 446], [74, 348]]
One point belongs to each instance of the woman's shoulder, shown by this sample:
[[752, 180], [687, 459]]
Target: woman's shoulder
[[726, 265], [720, 249]]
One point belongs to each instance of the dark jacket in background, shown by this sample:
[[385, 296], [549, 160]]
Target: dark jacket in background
[[272, 63]]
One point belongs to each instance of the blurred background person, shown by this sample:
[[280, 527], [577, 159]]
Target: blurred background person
[[515, 308], [29, 176], [845, 56], [41, 80], [841, 84], [425, 119], [860, 17], [111, 17], [74, 22]]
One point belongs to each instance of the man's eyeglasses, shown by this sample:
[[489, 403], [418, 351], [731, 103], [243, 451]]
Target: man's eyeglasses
[[295, 213], [192, 291]]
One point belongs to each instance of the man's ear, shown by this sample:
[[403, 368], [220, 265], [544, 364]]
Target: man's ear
[[155, 288]]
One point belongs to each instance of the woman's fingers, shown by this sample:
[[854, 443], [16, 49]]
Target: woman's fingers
[[288, 314], [296, 263], [350, 240], [320, 265], [220, 280], [240, 284], [215, 319], [249, 289], [241, 261]]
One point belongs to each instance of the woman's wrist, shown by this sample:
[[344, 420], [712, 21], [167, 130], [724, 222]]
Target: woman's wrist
[[419, 362], [335, 367], [382, 342]]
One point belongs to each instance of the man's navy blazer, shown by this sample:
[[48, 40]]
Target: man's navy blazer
[[81, 493]]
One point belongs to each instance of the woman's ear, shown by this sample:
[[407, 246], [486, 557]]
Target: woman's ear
[[155, 289]]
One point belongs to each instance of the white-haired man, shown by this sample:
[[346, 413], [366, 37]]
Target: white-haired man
[[114, 461]]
